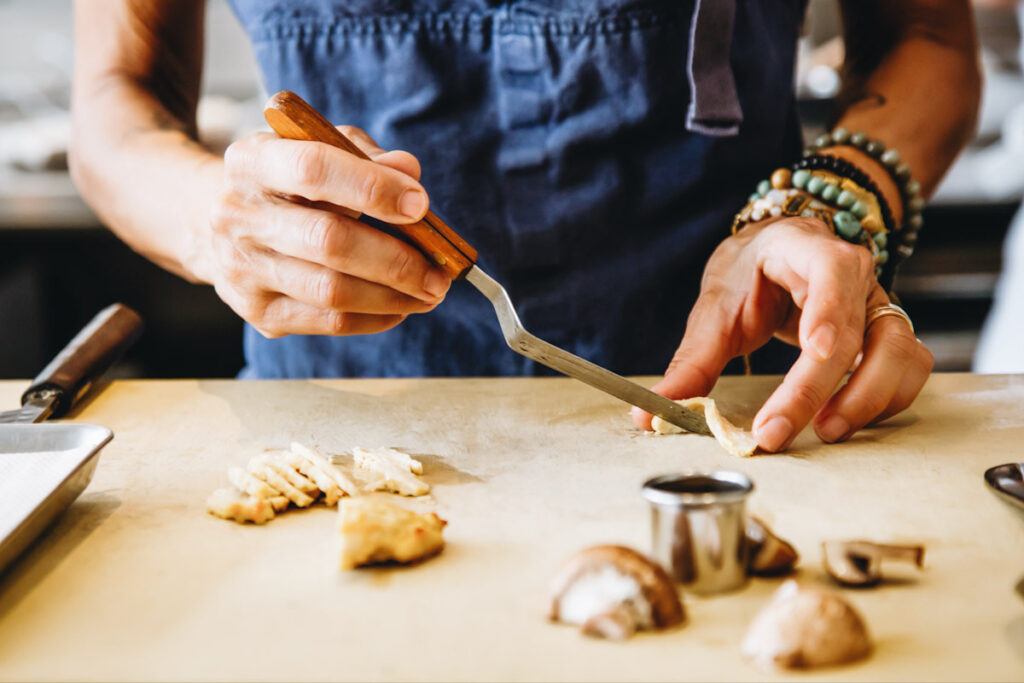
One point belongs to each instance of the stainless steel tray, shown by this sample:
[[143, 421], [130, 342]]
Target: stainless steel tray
[[43, 468]]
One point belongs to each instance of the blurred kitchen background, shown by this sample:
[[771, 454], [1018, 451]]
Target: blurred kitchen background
[[59, 266]]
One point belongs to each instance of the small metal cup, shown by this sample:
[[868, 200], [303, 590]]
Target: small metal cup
[[698, 526]]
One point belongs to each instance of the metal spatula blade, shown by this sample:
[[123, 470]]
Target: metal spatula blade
[[35, 409], [521, 341], [291, 117]]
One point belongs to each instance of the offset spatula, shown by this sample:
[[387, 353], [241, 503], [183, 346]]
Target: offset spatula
[[291, 117], [72, 371]]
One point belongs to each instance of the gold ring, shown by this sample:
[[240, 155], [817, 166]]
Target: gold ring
[[884, 310]]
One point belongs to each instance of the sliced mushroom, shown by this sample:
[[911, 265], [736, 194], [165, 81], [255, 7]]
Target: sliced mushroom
[[859, 563], [769, 555], [803, 627], [612, 591]]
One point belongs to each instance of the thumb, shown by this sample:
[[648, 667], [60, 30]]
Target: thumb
[[706, 348]]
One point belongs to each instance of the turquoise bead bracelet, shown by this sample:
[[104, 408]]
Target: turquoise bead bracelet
[[802, 193], [910, 189]]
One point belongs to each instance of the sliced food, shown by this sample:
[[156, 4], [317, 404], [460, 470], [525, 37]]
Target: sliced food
[[393, 470], [270, 474], [228, 503], [323, 466], [736, 441]]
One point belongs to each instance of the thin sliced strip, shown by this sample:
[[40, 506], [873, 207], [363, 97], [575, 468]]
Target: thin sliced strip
[[294, 477], [332, 492], [269, 474], [396, 471], [340, 478], [736, 441], [246, 483], [230, 504]]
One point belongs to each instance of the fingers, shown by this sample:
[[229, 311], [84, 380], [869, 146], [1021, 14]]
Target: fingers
[[805, 389], [396, 159], [706, 348], [327, 289], [320, 172], [893, 371], [829, 280], [341, 244], [276, 315]]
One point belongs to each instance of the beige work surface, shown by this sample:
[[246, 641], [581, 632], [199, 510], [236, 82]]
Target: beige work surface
[[137, 581]]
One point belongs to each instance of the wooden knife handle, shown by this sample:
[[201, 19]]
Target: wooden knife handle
[[293, 118], [94, 349]]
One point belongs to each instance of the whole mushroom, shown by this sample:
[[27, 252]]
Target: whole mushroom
[[612, 591], [803, 627], [859, 563]]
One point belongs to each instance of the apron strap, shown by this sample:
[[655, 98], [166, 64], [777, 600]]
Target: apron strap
[[714, 105]]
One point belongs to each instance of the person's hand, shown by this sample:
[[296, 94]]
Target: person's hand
[[792, 278], [283, 253]]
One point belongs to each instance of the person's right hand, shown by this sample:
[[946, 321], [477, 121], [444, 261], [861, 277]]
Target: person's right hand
[[285, 256]]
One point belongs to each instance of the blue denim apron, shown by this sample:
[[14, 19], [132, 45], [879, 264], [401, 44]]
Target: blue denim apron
[[593, 151]]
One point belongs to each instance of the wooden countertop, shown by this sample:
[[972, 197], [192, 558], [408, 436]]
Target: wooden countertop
[[136, 581]]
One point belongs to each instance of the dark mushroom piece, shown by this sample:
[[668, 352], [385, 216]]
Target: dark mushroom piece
[[612, 591], [768, 555], [859, 563]]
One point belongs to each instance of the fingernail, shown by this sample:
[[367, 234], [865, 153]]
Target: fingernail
[[774, 433], [833, 429], [823, 341], [412, 203], [435, 284]]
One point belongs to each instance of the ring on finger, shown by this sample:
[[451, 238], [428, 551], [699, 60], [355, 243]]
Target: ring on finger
[[883, 310]]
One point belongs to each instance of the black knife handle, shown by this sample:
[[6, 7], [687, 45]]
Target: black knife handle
[[94, 349]]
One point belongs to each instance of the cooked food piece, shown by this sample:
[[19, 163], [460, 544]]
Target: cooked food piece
[[611, 591], [737, 441], [375, 531], [268, 473], [859, 563], [323, 465], [769, 554], [279, 503], [246, 483], [230, 504], [395, 471], [278, 460], [332, 492], [803, 627]]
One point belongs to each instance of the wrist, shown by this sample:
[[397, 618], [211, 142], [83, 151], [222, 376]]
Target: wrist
[[876, 171], [195, 256]]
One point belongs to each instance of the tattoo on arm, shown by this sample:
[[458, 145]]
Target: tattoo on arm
[[868, 100]]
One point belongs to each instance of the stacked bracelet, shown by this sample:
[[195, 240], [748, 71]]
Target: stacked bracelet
[[910, 189], [851, 211]]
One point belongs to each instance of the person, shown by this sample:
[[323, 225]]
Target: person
[[594, 153]]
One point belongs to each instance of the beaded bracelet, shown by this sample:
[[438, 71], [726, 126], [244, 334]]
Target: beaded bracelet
[[910, 189], [849, 210], [844, 168]]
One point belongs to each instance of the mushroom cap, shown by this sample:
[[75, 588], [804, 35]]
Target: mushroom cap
[[806, 627], [657, 587], [769, 554]]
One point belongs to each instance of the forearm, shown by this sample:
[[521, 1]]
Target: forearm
[[911, 80], [149, 184], [134, 154]]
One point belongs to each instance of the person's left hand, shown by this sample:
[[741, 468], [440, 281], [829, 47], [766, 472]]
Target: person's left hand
[[792, 278]]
